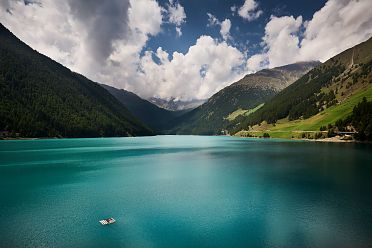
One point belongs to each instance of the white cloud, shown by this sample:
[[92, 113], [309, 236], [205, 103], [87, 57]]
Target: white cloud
[[178, 31], [340, 24], [117, 58], [281, 36], [249, 11], [233, 9], [212, 20], [177, 15], [257, 62], [54, 30], [225, 26], [225, 29], [36, 26], [145, 16], [207, 67]]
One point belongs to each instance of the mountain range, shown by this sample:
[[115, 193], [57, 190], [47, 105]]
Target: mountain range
[[42, 98], [176, 105], [320, 98], [240, 98], [159, 119]]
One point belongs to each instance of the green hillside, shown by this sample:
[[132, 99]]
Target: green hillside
[[243, 112], [246, 94], [321, 97], [41, 98], [287, 129]]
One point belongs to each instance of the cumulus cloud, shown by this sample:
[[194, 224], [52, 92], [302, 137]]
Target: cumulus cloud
[[74, 31], [207, 67], [282, 38], [257, 62], [5, 5], [177, 15], [225, 29], [145, 16], [225, 25], [340, 24], [36, 25], [100, 28], [83, 36], [111, 48], [249, 11]]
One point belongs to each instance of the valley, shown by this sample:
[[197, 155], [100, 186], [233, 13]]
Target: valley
[[291, 101], [176, 123]]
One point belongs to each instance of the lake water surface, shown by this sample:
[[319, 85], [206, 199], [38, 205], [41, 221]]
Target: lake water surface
[[185, 191]]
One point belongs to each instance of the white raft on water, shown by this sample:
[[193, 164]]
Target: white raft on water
[[107, 221]]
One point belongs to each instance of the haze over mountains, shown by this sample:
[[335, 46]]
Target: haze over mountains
[[176, 105], [155, 117]]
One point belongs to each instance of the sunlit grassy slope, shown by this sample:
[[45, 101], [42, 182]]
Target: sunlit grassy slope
[[244, 112], [288, 129]]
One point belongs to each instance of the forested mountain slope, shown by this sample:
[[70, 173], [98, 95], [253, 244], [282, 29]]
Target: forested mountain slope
[[321, 97], [240, 98], [41, 98], [155, 117]]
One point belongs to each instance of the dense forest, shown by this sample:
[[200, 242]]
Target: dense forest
[[360, 121], [41, 98]]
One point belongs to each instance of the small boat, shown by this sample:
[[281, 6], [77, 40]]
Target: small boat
[[107, 221]]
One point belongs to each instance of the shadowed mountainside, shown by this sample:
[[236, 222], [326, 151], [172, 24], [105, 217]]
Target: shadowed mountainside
[[155, 117], [41, 98]]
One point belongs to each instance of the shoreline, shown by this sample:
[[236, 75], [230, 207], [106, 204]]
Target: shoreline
[[336, 139], [331, 140], [22, 138], [324, 140]]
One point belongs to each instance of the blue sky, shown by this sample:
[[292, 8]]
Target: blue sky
[[242, 31], [185, 49]]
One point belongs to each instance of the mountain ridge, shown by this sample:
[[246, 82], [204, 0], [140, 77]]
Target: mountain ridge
[[319, 98], [153, 116], [42, 98], [247, 93], [176, 105]]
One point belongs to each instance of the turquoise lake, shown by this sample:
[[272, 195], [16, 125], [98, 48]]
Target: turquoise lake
[[185, 191]]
